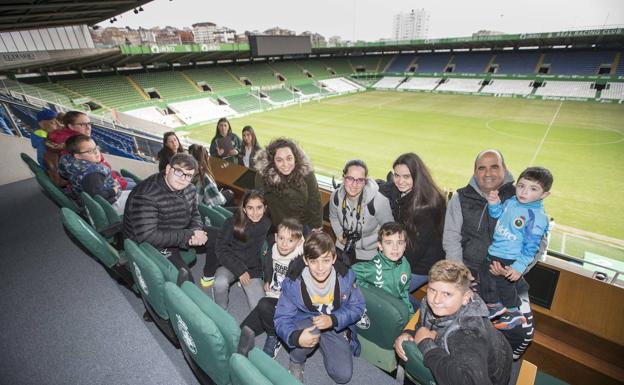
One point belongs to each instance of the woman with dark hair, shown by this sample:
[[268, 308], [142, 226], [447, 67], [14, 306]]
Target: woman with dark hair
[[171, 146], [238, 247], [225, 144], [356, 211], [419, 205], [286, 176], [208, 192], [250, 147]]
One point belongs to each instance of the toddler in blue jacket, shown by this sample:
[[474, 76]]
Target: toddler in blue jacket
[[521, 225]]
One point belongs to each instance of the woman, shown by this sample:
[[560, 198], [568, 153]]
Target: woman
[[250, 147], [171, 146], [286, 176], [208, 192], [419, 205], [225, 144], [356, 212]]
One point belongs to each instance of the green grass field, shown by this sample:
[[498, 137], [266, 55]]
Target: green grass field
[[581, 143]]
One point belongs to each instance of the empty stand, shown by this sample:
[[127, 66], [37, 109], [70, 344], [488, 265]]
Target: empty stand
[[200, 110], [434, 62], [401, 63], [420, 84], [260, 74], [566, 88], [108, 91], [169, 84], [217, 78], [460, 85], [518, 62], [471, 62], [577, 62], [280, 96], [389, 82], [613, 91], [508, 87], [244, 103], [341, 85]]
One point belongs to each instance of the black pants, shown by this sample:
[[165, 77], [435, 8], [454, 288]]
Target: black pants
[[260, 319], [173, 255], [496, 288], [212, 263]]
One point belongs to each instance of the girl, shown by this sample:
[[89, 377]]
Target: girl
[[208, 192], [238, 247], [251, 146], [225, 144], [171, 146], [285, 175], [419, 205]]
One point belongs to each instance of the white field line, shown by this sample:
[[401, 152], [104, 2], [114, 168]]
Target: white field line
[[541, 143]]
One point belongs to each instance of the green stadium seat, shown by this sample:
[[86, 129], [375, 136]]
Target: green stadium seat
[[415, 369], [128, 174], [88, 238], [111, 213], [203, 346], [31, 163], [244, 372], [215, 217], [150, 280], [188, 256], [270, 368], [55, 193], [94, 212], [170, 272], [387, 316], [223, 211]]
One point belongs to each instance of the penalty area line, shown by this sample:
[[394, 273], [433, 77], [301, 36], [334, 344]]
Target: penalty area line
[[541, 143]]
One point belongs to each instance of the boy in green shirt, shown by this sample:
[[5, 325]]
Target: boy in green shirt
[[389, 269]]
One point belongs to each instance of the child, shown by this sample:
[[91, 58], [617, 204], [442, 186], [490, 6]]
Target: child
[[319, 307], [521, 225], [458, 343], [47, 120], [288, 245], [84, 171], [237, 248], [389, 269]]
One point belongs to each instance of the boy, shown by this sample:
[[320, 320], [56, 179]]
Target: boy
[[389, 269], [319, 307], [84, 171], [288, 245], [521, 225], [47, 120], [458, 342]]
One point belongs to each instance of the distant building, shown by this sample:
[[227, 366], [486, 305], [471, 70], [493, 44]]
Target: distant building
[[317, 39], [224, 35], [411, 25], [187, 36], [334, 41], [279, 32], [204, 33]]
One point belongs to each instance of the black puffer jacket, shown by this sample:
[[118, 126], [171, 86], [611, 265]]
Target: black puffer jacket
[[425, 247], [157, 215], [242, 256], [467, 348]]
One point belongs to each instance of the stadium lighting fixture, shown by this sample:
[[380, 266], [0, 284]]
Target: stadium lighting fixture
[[140, 9], [136, 11]]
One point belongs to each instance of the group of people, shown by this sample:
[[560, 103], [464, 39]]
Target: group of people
[[302, 288]]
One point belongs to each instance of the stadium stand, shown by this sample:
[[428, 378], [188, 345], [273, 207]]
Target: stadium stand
[[244, 103], [41, 93], [401, 63], [289, 70], [308, 89], [460, 85], [280, 95], [366, 63], [613, 91], [169, 84], [340, 66], [217, 78], [316, 67], [389, 82], [577, 63], [508, 87], [341, 85], [200, 110], [517, 62], [108, 91], [260, 74], [422, 84], [155, 114], [435, 62], [471, 62], [566, 88]]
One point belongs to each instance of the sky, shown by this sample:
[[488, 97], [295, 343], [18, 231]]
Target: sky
[[371, 20]]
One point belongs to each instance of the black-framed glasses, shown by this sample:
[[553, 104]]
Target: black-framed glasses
[[94, 150], [351, 180], [87, 124], [181, 174]]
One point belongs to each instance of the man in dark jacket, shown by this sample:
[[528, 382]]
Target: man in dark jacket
[[458, 342], [162, 210], [469, 230]]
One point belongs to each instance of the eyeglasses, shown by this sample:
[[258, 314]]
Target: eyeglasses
[[351, 180], [181, 174], [87, 124], [94, 150]]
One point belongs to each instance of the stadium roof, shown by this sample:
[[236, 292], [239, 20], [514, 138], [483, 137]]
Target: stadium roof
[[27, 14]]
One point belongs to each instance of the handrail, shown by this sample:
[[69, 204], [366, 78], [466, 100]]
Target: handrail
[[570, 258]]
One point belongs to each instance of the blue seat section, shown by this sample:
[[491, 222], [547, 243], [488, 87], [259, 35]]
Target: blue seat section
[[577, 62], [26, 119], [473, 63], [401, 63], [516, 62], [619, 71], [4, 125], [433, 62]]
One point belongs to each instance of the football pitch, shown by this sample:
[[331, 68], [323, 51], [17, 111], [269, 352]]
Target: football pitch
[[581, 143]]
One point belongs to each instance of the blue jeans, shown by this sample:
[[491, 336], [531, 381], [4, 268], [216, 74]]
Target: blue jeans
[[416, 282], [336, 350]]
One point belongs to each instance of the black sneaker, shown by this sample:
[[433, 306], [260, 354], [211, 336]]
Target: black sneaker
[[272, 346]]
